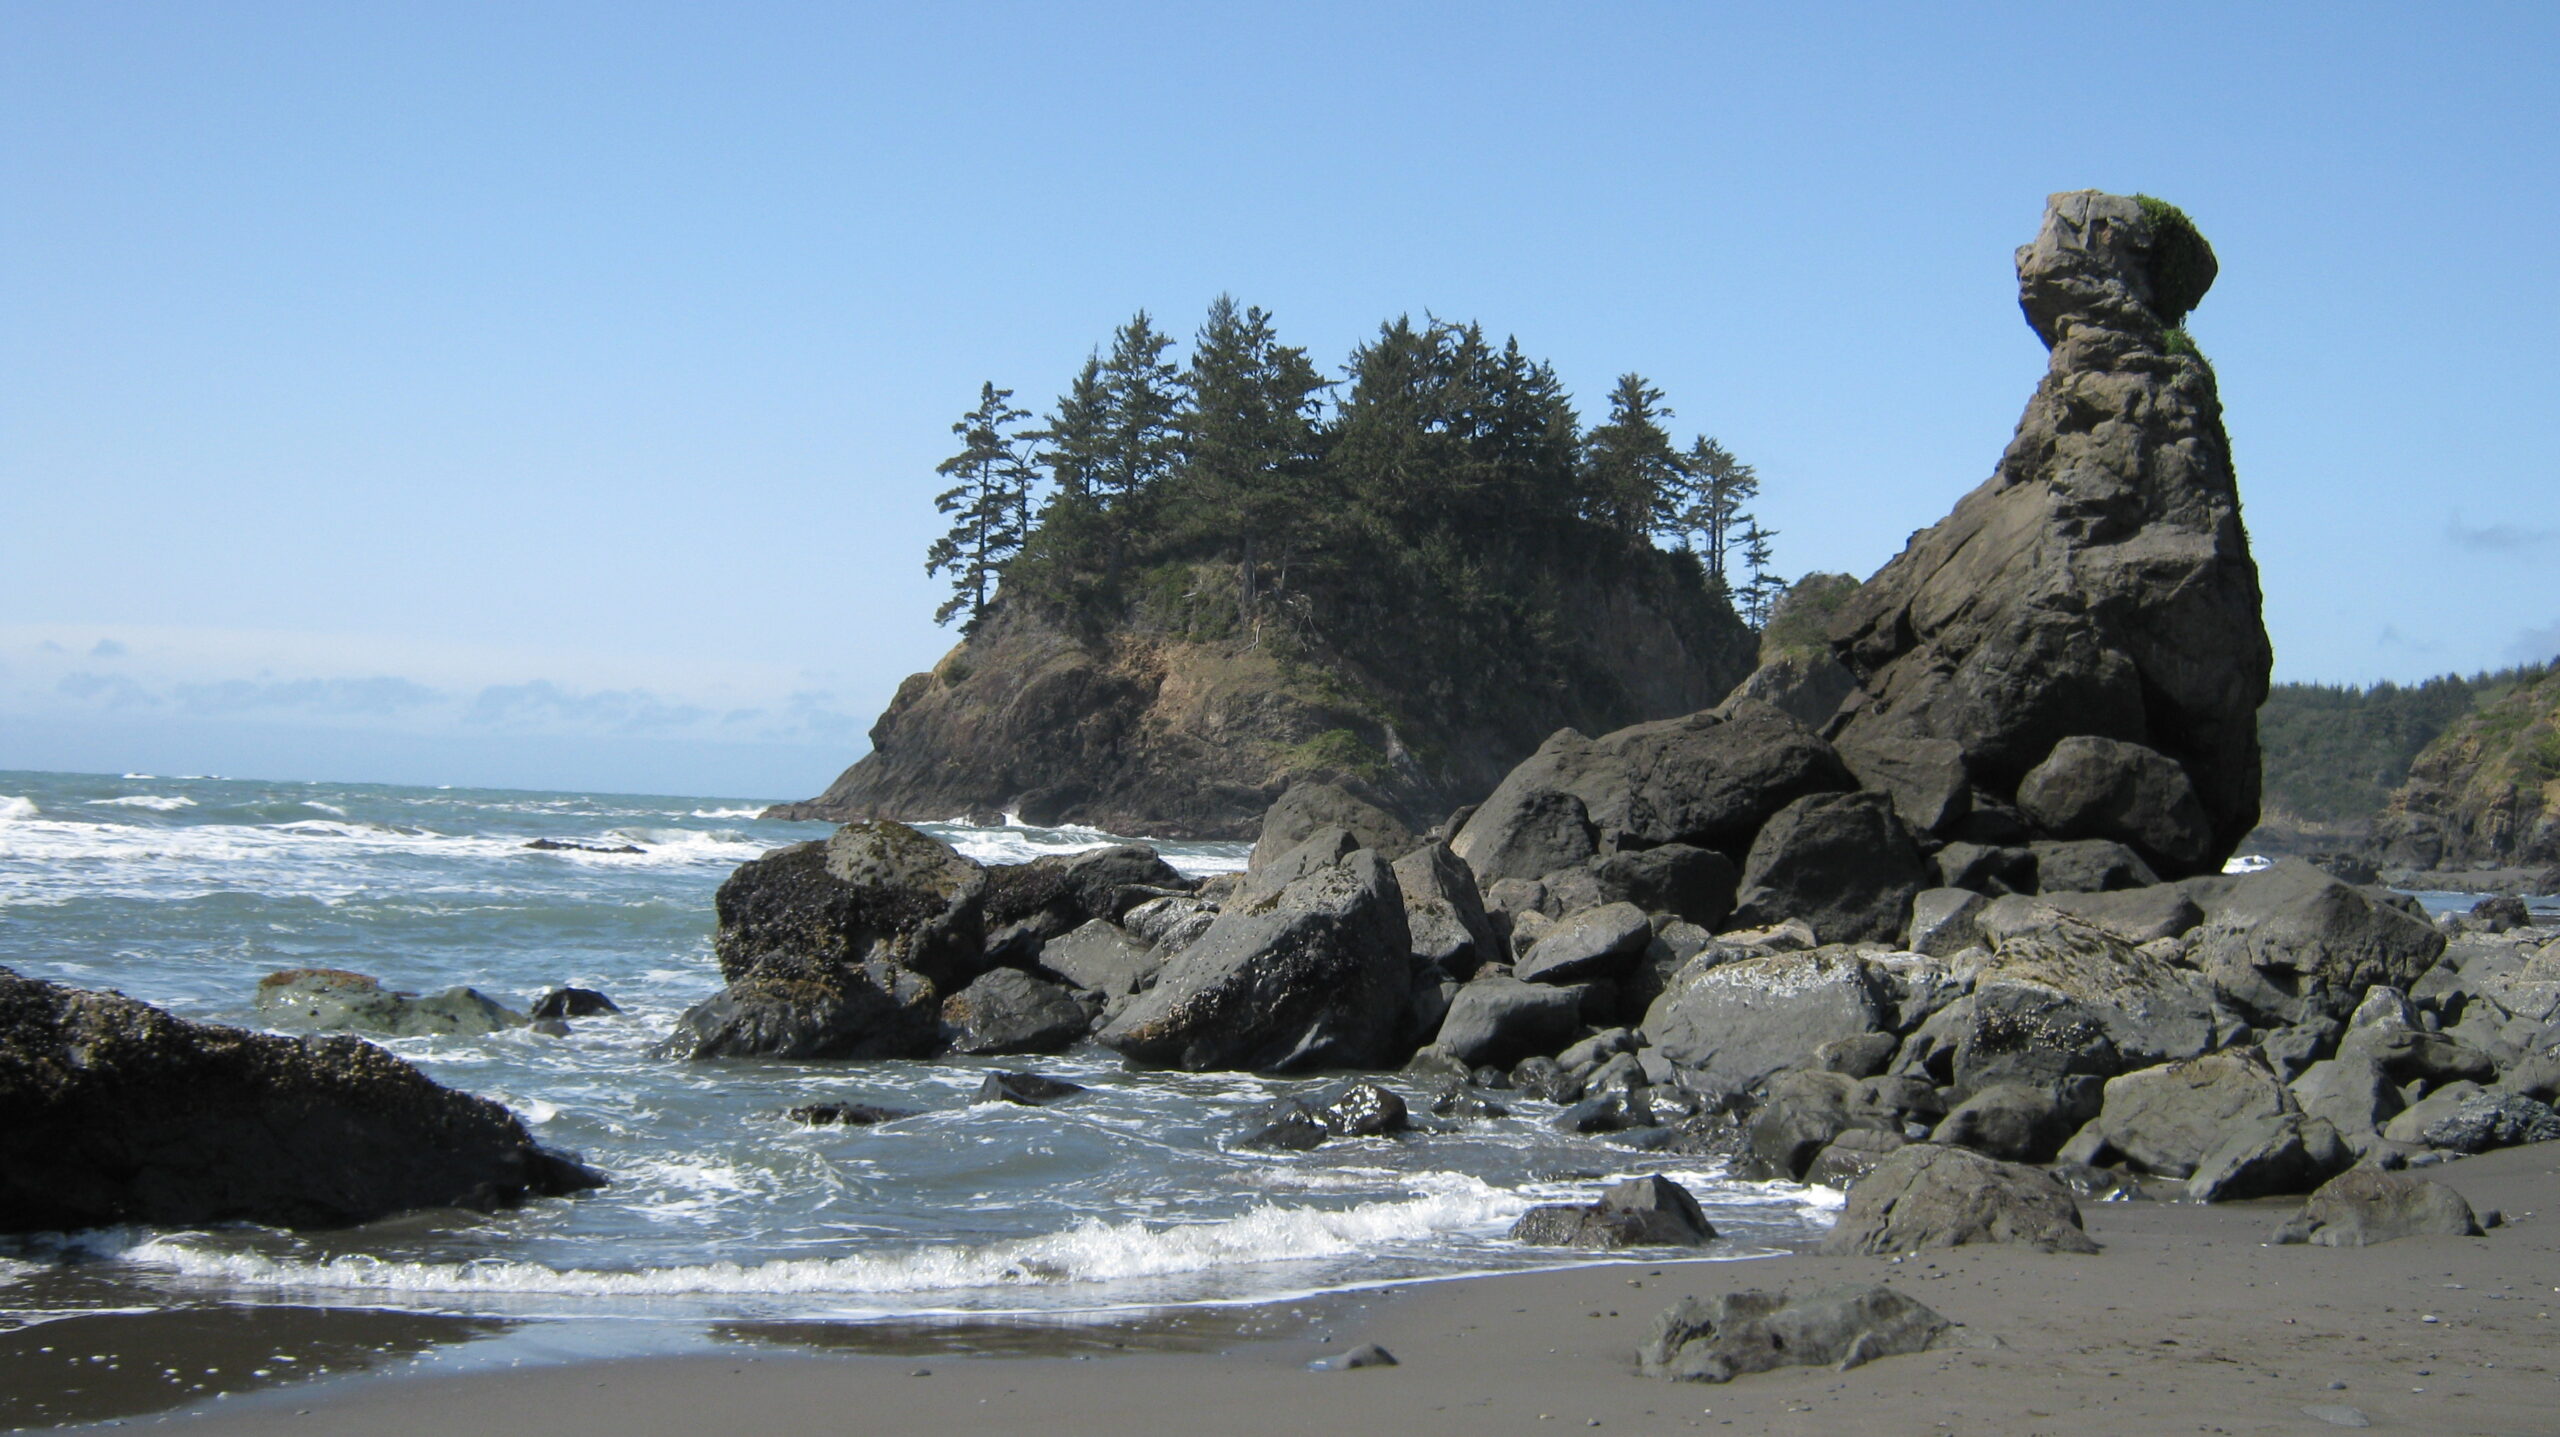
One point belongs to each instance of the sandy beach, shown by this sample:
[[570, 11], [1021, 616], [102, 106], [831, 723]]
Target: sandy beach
[[2187, 1322]]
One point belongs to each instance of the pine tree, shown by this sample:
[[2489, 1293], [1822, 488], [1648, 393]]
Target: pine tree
[[1249, 438], [1634, 475], [1140, 392], [1717, 485], [1760, 594], [991, 502]]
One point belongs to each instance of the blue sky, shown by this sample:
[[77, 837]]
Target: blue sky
[[548, 394]]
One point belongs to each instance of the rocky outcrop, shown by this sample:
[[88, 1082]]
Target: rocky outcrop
[[121, 1113], [2485, 794], [335, 1001], [2099, 585], [1132, 729]]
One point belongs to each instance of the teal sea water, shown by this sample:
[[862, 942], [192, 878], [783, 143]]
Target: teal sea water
[[185, 891]]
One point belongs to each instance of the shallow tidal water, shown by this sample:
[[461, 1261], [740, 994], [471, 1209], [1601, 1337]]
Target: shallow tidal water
[[723, 1216]]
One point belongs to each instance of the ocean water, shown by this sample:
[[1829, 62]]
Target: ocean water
[[185, 891]]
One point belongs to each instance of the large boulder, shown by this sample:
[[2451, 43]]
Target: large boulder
[[2091, 787], [1501, 1020], [1638, 1212], [870, 886], [2061, 1000], [1601, 942], [1688, 882], [2265, 1157], [120, 1113], [2168, 1119], [1709, 780], [1745, 1332], [796, 1008], [1317, 975], [1009, 1011], [1027, 904], [2366, 1205], [1738, 1022], [1841, 862], [1444, 911], [2290, 943], [2099, 583], [1927, 1196], [1101, 957], [2019, 1122], [1309, 807]]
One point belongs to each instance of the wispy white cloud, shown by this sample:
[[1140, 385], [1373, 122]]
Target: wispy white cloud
[[2500, 538]]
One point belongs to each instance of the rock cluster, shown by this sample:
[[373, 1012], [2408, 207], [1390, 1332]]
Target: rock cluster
[[121, 1113]]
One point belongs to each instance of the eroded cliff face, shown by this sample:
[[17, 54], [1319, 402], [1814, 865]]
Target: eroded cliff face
[[2099, 584], [1141, 732], [2485, 794]]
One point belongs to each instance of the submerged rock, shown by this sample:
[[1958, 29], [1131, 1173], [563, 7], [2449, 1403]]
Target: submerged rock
[[334, 1000], [120, 1113], [575, 1003], [1030, 1090], [851, 1115], [1009, 1011], [787, 1008]]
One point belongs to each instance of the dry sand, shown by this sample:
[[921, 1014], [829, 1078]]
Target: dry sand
[[2187, 1322]]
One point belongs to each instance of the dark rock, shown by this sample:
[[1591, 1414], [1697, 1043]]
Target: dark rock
[[2020, 1122], [1502, 1020], [1801, 1112], [2365, 1205], [2291, 943], [1599, 1048], [120, 1113], [2266, 1157], [1736, 1023], [554, 845], [2481, 1121], [1989, 869], [2290, 1051], [1444, 912], [1841, 862], [2088, 865], [2499, 914], [1544, 1079], [1362, 1110], [1288, 1125], [2100, 582], [1597, 942], [1848, 1158], [2408, 1055], [2091, 787], [1465, 1102], [1367, 1354], [1745, 1332], [1030, 1090], [2067, 1001], [787, 1008], [1709, 780], [1322, 850], [1863, 1056], [852, 1115], [1639, 1212], [1926, 1195], [880, 886], [1696, 884], [1942, 922], [2352, 1094], [1310, 807], [549, 1027], [1806, 687], [1009, 1011], [574, 1003], [1317, 975], [333, 1000], [2345, 867], [2536, 1076], [1165, 925], [1027, 905], [1101, 957], [2168, 1119], [1925, 777], [2136, 915]]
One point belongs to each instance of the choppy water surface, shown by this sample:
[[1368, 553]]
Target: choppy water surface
[[184, 892]]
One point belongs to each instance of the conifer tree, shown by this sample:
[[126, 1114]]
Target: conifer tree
[[1760, 594], [1634, 475], [990, 503], [1248, 439], [1140, 391], [1717, 485]]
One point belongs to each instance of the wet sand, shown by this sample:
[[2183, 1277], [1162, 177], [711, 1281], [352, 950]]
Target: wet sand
[[2187, 1322]]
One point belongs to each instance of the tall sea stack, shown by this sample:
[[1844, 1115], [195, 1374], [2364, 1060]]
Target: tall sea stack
[[2077, 649]]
